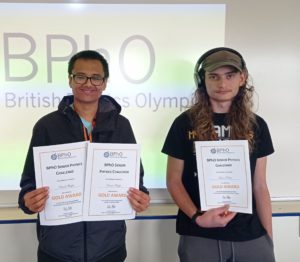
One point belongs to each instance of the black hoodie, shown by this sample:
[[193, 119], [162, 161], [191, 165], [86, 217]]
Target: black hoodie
[[83, 241]]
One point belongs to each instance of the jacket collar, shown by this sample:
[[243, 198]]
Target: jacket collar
[[108, 109]]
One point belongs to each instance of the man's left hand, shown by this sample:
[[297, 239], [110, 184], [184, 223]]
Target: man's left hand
[[139, 200]]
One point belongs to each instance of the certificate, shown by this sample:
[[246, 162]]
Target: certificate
[[62, 169], [111, 170], [224, 175], [87, 181]]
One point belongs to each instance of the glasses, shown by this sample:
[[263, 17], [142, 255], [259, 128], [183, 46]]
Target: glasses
[[82, 79]]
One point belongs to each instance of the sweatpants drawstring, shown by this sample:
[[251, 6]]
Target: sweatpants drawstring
[[232, 250], [220, 251]]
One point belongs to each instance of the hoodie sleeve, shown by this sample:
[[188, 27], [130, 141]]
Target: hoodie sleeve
[[27, 183], [127, 136], [142, 187]]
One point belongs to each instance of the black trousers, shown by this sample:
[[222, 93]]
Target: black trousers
[[117, 256]]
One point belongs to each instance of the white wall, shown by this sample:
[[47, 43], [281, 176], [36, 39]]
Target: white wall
[[147, 241], [266, 33]]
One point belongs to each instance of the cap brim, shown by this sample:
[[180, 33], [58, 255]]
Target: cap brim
[[215, 66]]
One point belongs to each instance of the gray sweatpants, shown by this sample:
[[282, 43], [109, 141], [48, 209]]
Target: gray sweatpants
[[199, 249]]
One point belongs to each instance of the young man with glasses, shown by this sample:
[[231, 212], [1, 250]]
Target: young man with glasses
[[85, 115]]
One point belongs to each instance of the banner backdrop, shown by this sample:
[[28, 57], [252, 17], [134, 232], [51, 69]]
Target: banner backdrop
[[151, 50]]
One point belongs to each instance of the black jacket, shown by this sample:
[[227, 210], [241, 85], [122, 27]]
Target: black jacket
[[83, 241]]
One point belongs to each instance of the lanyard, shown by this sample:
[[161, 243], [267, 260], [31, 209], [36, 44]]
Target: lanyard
[[85, 134]]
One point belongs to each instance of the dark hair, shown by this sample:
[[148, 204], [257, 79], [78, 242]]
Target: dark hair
[[92, 55]]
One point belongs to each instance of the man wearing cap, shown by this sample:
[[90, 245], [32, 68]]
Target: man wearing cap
[[222, 110]]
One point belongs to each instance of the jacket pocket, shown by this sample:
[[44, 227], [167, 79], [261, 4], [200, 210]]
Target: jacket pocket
[[64, 242]]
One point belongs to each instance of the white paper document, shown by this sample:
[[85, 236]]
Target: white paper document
[[87, 181], [224, 175], [111, 170]]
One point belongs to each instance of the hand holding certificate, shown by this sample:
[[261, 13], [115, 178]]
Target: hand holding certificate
[[224, 174], [87, 181]]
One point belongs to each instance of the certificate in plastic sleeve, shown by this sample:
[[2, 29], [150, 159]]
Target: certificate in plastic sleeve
[[62, 169], [111, 170], [87, 181], [224, 175]]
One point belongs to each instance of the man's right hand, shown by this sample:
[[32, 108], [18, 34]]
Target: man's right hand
[[35, 200]]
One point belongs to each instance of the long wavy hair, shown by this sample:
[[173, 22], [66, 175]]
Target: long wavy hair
[[240, 117]]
